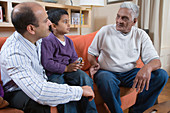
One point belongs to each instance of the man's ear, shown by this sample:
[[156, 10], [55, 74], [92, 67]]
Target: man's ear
[[31, 29], [135, 20]]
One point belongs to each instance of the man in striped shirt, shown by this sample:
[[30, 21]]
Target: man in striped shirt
[[24, 80]]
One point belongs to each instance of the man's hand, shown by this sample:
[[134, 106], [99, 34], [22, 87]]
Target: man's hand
[[143, 76], [142, 79], [74, 66], [94, 69], [88, 92]]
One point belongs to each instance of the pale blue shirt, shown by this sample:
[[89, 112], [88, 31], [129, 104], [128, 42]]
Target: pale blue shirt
[[21, 67]]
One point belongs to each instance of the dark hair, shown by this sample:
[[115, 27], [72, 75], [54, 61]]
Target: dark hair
[[54, 15], [22, 18]]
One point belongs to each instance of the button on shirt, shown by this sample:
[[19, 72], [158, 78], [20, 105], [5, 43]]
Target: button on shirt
[[21, 69]]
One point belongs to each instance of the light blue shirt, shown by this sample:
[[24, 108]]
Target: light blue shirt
[[21, 69]]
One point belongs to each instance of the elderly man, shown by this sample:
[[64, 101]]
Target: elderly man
[[118, 47], [24, 79]]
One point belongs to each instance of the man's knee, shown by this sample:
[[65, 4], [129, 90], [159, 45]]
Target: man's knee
[[34, 107], [106, 79], [104, 76], [161, 74]]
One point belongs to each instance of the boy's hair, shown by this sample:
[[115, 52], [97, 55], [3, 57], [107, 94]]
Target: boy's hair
[[54, 15]]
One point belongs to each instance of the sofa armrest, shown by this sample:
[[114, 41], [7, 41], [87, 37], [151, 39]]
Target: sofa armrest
[[10, 110]]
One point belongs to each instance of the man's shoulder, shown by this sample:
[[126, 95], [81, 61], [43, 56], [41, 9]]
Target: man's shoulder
[[139, 33], [136, 29], [11, 46], [106, 27]]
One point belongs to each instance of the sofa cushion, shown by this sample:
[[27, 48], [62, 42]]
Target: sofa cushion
[[3, 39]]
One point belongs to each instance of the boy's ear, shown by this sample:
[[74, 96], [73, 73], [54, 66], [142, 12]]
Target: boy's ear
[[53, 26]]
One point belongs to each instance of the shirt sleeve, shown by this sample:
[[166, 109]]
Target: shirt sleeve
[[148, 51], [20, 70], [94, 48], [48, 62]]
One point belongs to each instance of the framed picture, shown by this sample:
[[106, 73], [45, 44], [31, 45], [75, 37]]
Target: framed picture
[[116, 1], [1, 14]]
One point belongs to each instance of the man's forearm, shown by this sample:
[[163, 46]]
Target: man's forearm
[[154, 65], [92, 59]]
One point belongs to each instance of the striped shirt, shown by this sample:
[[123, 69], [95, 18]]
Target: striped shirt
[[21, 69]]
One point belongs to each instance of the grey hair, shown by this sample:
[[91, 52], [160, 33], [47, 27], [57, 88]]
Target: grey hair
[[133, 7]]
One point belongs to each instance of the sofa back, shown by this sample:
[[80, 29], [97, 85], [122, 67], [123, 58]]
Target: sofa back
[[2, 40], [81, 44]]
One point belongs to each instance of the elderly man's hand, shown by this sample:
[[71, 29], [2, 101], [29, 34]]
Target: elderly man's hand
[[142, 78], [94, 69]]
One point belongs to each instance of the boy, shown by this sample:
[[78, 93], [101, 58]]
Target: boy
[[59, 59]]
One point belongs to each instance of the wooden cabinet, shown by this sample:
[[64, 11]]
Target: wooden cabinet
[[84, 18]]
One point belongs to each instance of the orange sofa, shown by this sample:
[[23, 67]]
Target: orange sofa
[[81, 44]]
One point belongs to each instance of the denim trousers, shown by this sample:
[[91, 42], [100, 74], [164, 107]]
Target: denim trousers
[[108, 84], [77, 78]]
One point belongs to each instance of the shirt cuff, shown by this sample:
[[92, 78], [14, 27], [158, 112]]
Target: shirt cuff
[[62, 69], [77, 91]]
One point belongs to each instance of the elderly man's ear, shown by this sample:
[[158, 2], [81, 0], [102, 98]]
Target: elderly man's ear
[[135, 20]]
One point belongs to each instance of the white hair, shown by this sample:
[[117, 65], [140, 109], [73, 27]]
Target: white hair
[[133, 7]]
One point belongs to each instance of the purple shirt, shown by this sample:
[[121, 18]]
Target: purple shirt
[[1, 91], [55, 56]]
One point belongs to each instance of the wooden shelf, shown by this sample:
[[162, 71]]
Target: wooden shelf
[[9, 4], [6, 24]]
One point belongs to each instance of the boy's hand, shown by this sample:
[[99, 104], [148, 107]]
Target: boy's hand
[[74, 66], [88, 92]]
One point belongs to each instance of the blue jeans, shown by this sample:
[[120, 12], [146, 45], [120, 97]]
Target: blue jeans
[[108, 85], [77, 78]]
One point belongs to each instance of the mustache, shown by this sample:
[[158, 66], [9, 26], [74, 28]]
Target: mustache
[[120, 24]]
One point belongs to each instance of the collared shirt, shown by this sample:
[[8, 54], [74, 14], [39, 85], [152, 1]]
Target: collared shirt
[[21, 69]]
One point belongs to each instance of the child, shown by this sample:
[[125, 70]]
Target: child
[[58, 57]]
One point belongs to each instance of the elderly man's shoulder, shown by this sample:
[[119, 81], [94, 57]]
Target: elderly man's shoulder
[[107, 27], [135, 28]]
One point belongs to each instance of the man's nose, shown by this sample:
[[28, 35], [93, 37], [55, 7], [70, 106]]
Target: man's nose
[[119, 20], [49, 22]]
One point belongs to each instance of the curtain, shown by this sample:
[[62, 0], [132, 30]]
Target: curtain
[[151, 18]]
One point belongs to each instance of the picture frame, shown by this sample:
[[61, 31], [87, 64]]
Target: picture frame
[[1, 14], [116, 1]]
